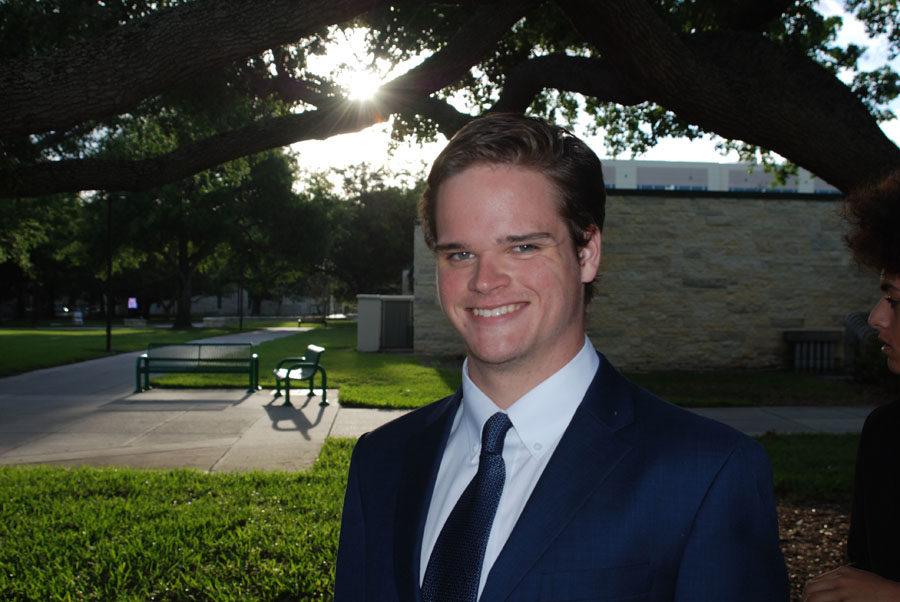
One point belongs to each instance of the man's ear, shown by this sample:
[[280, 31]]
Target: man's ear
[[589, 255]]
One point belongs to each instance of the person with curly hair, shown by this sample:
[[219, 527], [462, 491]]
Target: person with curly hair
[[872, 546]]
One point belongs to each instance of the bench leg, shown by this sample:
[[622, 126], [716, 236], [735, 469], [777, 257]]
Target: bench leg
[[287, 391], [324, 401], [253, 387], [140, 368]]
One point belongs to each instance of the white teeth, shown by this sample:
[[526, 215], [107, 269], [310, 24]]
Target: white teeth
[[497, 311]]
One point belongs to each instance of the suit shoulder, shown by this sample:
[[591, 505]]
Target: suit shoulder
[[663, 423]]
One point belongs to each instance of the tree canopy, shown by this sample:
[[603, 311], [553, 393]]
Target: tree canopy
[[762, 74]]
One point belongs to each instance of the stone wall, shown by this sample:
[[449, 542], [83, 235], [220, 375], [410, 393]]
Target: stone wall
[[701, 281]]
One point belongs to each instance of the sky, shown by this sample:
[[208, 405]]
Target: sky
[[372, 144]]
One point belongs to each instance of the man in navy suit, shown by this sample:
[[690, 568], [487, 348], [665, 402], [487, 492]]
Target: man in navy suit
[[609, 493]]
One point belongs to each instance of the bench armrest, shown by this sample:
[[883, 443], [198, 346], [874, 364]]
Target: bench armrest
[[289, 360]]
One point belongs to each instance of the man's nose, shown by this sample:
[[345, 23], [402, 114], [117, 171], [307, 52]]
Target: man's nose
[[489, 275], [880, 315]]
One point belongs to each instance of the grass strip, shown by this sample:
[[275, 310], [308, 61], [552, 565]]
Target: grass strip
[[375, 380], [24, 349], [124, 534], [815, 467], [755, 388], [395, 380], [128, 534]]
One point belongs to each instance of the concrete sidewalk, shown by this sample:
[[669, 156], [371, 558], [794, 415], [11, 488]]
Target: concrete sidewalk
[[87, 413]]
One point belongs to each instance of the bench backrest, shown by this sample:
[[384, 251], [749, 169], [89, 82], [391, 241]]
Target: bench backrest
[[198, 351], [313, 352]]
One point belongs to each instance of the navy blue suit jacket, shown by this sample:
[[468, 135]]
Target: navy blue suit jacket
[[641, 500]]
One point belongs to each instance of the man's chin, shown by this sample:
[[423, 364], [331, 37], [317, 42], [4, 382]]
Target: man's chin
[[893, 365], [493, 359]]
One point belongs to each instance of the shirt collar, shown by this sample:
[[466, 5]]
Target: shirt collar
[[540, 416]]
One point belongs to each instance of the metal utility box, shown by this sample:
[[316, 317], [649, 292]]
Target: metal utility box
[[384, 322]]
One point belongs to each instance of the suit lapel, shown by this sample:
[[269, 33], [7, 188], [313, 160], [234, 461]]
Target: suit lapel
[[422, 461], [569, 478]]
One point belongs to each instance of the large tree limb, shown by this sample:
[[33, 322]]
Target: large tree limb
[[109, 75], [473, 41], [742, 86], [751, 15], [449, 120], [589, 76], [116, 175], [735, 83]]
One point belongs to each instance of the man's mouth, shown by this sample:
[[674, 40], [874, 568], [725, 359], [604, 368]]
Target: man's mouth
[[496, 311]]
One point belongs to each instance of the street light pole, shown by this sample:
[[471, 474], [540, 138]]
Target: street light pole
[[109, 273]]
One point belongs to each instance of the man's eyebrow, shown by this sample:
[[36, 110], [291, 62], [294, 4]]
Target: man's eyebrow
[[448, 246], [506, 240], [520, 238]]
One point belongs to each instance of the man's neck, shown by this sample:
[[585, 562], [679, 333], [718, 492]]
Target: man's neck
[[505, 383]]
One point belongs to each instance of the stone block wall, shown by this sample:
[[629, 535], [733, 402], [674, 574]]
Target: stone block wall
[[700, 281]]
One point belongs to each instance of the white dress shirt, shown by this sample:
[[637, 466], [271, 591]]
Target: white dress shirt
[[538, 418]]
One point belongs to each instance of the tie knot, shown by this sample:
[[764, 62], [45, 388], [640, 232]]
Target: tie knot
[[494, 433]]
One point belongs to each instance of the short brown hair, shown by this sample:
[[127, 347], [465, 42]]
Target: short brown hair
[[874, 215], [513, 139]]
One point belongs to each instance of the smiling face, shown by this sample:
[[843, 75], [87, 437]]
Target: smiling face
[[885, 318], [509, 278]]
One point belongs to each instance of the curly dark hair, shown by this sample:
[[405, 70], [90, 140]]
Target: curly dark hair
[[873, 211]]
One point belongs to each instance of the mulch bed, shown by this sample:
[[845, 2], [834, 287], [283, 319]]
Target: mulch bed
[[813, 540]]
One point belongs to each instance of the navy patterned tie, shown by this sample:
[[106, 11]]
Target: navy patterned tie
[[454, 569]]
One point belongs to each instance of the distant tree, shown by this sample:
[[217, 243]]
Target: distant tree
[[37, 259], [281, 237], [376, 242], [763, 74]]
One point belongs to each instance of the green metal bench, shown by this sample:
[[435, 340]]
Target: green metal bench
[[301, 368], [216, 358]]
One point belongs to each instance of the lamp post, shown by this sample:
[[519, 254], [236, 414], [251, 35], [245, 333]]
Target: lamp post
[[240, 309], [109, 273]]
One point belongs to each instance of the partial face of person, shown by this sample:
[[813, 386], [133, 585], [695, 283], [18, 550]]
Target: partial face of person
[[509, 278], [885, 318]]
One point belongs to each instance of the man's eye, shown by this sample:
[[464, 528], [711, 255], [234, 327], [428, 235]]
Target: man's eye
[[460, 256], [893, 302], [525, 248]]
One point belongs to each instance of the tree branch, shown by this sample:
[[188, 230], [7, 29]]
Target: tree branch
[[284, 87], [449, 120], [109, 75], [412, 89], [741, 86], [472, 42], [588, 76], [751, 15]]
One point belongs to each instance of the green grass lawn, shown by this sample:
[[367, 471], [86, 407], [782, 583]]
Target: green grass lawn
[[364, 379], [127, 534], [812, 466], [408, 381], [24, 349], [756, 388], [107, 533]]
